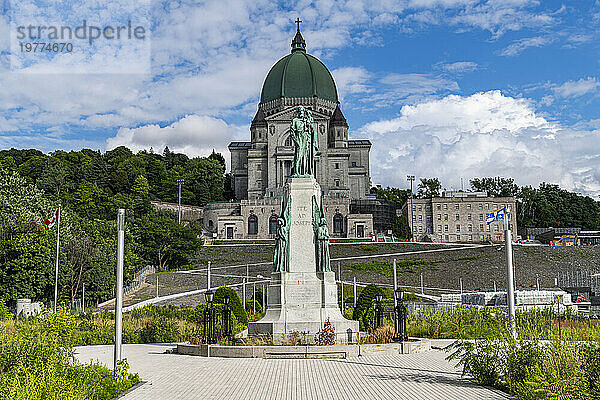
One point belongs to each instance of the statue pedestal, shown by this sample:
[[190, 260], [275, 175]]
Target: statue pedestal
[[301, 300]]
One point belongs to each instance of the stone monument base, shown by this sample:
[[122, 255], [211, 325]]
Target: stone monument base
[[299, 304]]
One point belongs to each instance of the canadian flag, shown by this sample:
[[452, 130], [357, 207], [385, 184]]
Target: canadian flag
[[52, 220]]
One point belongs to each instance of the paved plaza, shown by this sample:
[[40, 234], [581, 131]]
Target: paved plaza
[[172, 376]]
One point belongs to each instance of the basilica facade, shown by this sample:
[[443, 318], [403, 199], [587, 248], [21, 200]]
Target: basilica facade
[[261, 167]]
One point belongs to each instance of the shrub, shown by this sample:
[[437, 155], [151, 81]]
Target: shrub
[[234, 302], [365, 301], [160, 330], [36, 362], [326, 337], [250, 307]]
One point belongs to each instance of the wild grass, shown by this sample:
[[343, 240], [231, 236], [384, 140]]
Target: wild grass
[[37, 362]]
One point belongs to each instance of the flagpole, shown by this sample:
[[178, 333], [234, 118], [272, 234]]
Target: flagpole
[[56, 272], [510, 273]]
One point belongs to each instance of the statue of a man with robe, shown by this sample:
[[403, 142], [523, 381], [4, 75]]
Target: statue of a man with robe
[[305, 139]]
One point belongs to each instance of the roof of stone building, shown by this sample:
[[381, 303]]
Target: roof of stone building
[[299, 75], [259, 119], [240, 144], [338, 119], [359, 142]]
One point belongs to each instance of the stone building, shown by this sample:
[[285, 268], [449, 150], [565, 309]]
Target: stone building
[[458, 217], [261, 167]]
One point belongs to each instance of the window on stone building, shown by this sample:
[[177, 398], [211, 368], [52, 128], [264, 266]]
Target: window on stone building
[[252, 225], [445, 228], [495, 228], [445, 206], [337, 165], [470, 238], [469, 217], [354, 163], [338, 221], [288, 141], [457, 217], [420, 217], [439, 206], [273, 224], [487, 228], [481, 217], [458, 238], [457, 228], [480, 206], [420, 208], [445, 217], [210, 223], [495, 207], [447, 238], [439, 228], [457, 206], [470, 228], [469, 206], [439, 217], [481, 227], [337, 183]]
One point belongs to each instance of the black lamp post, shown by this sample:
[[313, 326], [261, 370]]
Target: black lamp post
[[401, 316], [226, 317], [378, 310], [209, 318]]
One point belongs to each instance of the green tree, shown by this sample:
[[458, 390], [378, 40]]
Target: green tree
[[429, 187], [497, 187], [394, 195]]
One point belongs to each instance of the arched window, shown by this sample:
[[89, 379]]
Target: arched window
[[273, 224], [288, 141], [338, 223], [210, 223], [252, 225]]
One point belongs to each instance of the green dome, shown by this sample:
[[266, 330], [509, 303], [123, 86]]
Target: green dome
[[299, 75]]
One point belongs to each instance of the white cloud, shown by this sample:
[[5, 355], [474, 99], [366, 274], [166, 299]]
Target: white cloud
[[519, 46], [485, 134], [351, 80], [194, 135], [576, 88], [458, 67]]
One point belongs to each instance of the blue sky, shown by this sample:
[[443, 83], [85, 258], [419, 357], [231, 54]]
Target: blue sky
[[447, 88]]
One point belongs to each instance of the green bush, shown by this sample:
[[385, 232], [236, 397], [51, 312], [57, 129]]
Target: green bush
[[37, 362], [235, 303], [365, 301], [250, 307], [160, 330], [531, 369]]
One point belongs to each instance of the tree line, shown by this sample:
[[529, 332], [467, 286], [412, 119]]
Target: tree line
[[91, 186], [545, 206]]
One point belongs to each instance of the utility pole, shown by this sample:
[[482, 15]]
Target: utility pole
[[119, 295], [56, 272], [510, 272], [244, 292], [411, 178], [208, 276], [179, 183], [354, 284], [395, 284], [341, 284]]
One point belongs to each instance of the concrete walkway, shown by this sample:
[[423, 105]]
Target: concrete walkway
[[171, 376]]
